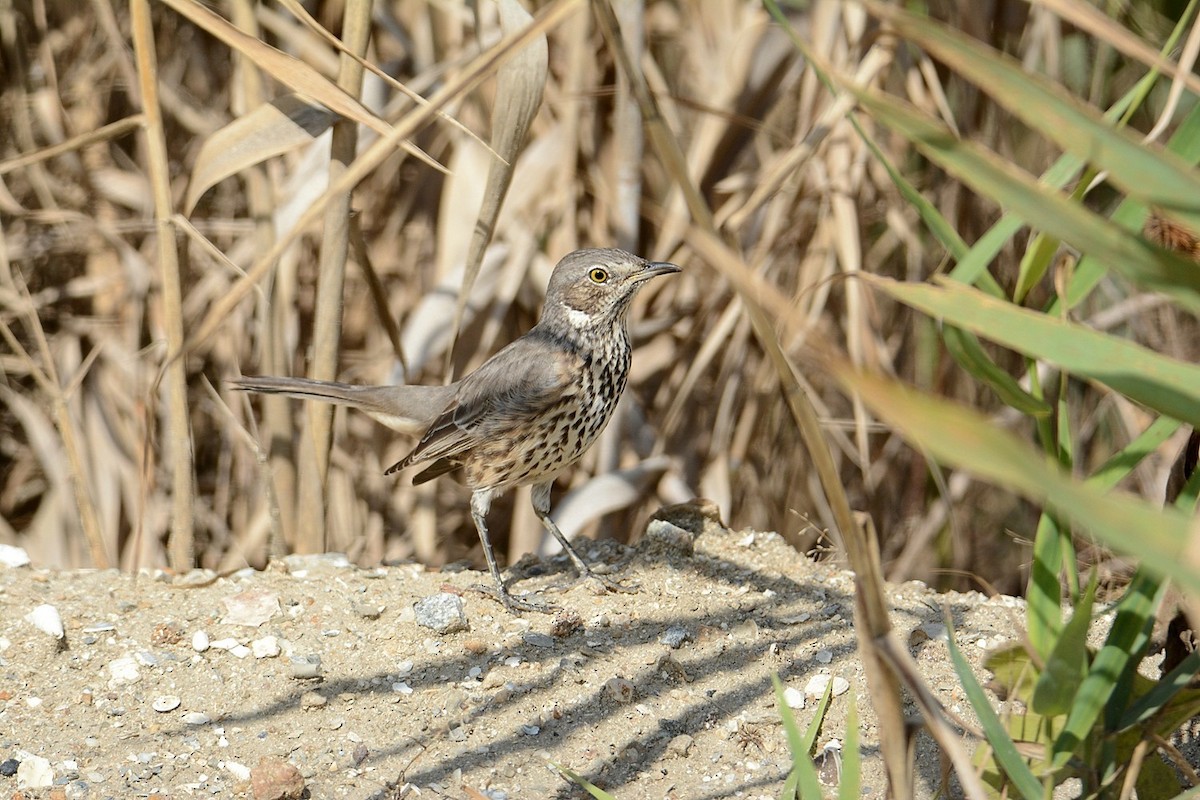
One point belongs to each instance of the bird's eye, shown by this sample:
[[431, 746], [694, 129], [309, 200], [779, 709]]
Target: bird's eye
[[598, 275]]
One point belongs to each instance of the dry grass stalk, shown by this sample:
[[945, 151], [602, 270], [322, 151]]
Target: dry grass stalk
[[181, 545]]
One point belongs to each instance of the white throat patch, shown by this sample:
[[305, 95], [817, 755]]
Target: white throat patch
[[579, 319]]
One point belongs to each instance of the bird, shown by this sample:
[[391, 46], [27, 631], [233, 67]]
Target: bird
[[527, 413]]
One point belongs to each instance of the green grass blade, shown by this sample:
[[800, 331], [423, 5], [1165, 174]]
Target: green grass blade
[[965, 349], [1168, 385], [960, 437], [1007, 757], [579, 780], [1068, 662], [1056, 215], [1120, 464], [1043, 603], [1126, 641], [851, 776], [1165, 690], [1151, 175], [808, 784]]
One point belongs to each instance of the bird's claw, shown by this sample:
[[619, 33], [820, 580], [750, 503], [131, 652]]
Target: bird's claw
[[515, 605], [597, 584]]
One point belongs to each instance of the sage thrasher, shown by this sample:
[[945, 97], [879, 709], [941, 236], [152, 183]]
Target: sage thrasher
[[528, 412]]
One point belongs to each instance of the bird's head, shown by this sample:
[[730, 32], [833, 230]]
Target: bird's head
[[590, 287]]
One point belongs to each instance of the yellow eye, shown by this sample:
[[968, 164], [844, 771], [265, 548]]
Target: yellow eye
[[598, 275]]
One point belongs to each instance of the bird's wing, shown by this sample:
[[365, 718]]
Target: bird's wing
[[521, 381]]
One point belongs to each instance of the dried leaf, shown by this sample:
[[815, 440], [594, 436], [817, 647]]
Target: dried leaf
[[269, 130]]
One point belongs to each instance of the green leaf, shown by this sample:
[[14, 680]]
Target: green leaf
[[1034, 264], [808, 783], [1127, 640], [579, 780], [851, 781], [963, 438], [1068, 662], [1121, 250], [1165, 384], [1121, 463], [1142, 171], [1170, 690], [1006, 754], [966, 350], [1043, 602]]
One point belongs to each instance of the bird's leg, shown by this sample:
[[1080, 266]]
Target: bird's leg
[[481, 503], [541, 507]]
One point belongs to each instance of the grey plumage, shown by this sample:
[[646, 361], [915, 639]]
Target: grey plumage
[[528, 412]]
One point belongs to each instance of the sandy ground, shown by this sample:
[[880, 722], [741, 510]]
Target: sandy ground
[[201, 686]]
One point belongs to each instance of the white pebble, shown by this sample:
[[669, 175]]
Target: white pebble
[[793, 697], [200, 641], [164, 703], [196, 718], [11, 556], [34, 772], [123, 670], [266, 647], [400, 687], [239, 771], [47, 620]]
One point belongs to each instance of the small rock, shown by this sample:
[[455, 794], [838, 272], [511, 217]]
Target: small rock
[[672, 667], [164, 703], [275, 779], [238, 770], [537, 639], [34, 772], [441, 612], [565, 623], [11, 556], [47, 620], [368, 611], [8, 767], [675, 636], [306, 666], [200, 641], [313, 700], [816, 686], [164, 634], [824, 656], [251, 608], [123, 671], [266, 647], [360, 754], [793, 697], [302, 566], [670, 537], [196, 718], [475, 647], [680, 746], [619, 689]]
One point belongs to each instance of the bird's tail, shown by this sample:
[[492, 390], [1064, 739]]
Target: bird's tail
[[410, 409]]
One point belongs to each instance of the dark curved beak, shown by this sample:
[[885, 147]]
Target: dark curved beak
[[655, 268]]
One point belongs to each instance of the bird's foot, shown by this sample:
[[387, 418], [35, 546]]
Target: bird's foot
[[597, 583], [515, 605]]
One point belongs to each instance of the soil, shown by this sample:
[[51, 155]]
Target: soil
[[665, 693]]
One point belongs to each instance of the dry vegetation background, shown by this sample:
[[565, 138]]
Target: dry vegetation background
[[85, 435]]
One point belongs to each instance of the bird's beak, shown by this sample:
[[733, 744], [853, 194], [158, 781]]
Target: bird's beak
[[654, 269]]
